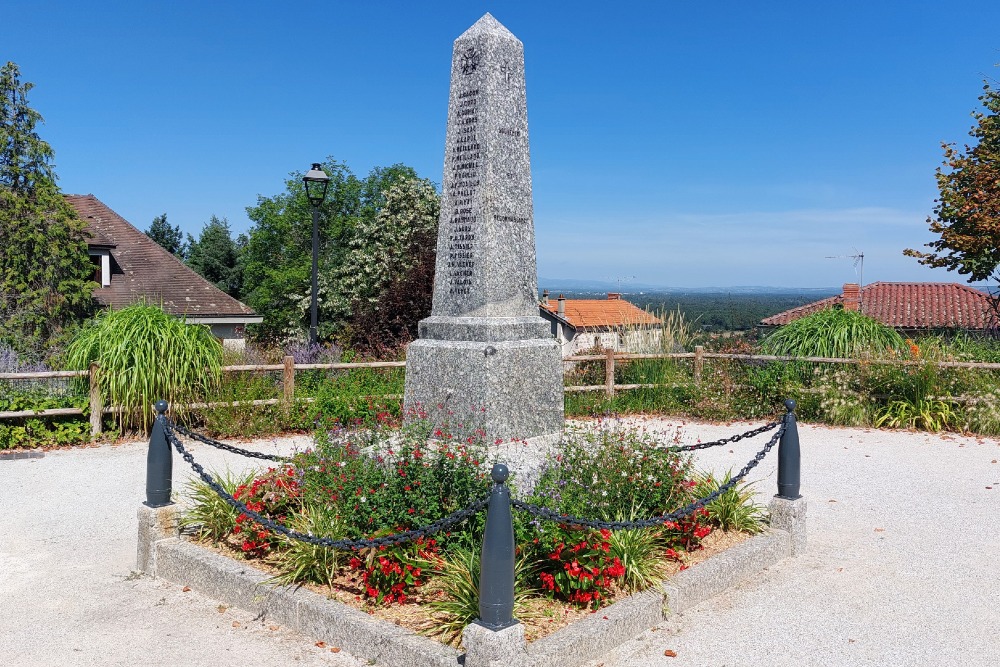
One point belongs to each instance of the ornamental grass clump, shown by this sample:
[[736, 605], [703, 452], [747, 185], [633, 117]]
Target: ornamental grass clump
[[146, 355], [834, 332]]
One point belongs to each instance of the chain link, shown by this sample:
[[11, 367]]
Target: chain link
[[204, 439], [375, 542], [725, 441], [551, 515]]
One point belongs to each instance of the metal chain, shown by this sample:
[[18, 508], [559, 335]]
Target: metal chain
[[204, 439], [551, 515], [388, 540], [725, 441]]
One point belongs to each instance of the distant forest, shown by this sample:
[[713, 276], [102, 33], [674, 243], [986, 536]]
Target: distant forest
[[716, 311]]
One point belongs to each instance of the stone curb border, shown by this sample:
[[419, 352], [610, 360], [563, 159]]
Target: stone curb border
[[21, 454], [161, 553]]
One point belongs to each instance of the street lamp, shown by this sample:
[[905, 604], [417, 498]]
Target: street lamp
[[316, 182]]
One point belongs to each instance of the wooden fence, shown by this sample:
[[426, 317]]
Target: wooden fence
[[97, 409], [289, 368]]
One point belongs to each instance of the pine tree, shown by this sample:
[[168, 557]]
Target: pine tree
[[216, 256], [167, 235], [46, 277]]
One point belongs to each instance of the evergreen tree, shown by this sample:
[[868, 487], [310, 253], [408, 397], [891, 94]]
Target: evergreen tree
[[46, 277], [215, 256], [167, 235]]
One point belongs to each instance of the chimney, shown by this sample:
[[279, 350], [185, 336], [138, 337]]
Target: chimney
[[561, 308], [852, 297], [614, 296], [545, 298]]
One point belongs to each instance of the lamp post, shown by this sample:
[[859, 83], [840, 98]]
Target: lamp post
[[316, 182]]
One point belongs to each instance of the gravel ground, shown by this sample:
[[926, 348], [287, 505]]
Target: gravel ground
[[900, 568]]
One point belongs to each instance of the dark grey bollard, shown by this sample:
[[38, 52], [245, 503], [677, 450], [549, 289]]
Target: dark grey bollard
[[159, 462], [788, 456], [496, 572]]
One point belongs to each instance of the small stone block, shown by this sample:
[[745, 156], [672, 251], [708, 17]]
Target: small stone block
[[790, 515], [155, 524], [489, 648]]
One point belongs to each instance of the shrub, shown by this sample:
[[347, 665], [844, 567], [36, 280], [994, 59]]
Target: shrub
[[734, 509], [834, 332], [145, 355]]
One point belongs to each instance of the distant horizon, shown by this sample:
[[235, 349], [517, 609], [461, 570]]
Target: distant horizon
[[727, 143]]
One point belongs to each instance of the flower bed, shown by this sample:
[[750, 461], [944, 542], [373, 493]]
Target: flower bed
[[384, 481]]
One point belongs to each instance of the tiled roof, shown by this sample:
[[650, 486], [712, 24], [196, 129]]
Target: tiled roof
[[601, 313], [143, 269], [909, 306]]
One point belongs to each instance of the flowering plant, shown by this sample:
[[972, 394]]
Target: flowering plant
[[579, 566], [274, 494]]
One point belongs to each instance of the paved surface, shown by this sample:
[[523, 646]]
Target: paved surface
[[901, 568]]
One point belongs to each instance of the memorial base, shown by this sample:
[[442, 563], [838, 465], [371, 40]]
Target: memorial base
[[509, 389]]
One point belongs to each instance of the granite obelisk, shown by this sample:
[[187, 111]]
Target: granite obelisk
[[485, 357]]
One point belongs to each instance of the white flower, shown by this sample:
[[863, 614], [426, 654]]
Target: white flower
[[363, 499]]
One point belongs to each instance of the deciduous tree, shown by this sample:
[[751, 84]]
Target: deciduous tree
[[967, 211]]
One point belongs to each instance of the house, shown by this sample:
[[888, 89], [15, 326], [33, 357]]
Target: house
[[129, 266], [612, 323], [911, 308]]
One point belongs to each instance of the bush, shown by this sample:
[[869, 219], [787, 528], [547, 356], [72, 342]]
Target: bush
[[834, 332], [146, 355]]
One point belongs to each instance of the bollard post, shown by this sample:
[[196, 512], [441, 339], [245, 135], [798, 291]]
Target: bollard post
[[159, 461], [788, 456], [496, 568]]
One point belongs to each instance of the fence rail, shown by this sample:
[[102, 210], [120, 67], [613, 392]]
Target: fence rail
[[288, 368]]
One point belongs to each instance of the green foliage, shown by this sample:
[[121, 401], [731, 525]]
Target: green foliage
[[168, 236], [926, 414], [372, 232], [967, 212], [145, 355], [613, 471], [734, 510], [834, 332], [216, 256], [45, 273], [209, 516], [300, 562], [360, 396], [641, 554], [458, 578]]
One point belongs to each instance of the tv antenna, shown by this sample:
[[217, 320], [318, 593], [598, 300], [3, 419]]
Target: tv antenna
[[620, 280], [859, 264]]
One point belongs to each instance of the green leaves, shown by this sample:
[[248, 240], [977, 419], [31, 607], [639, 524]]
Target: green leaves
[[833, 333], [145, 355]]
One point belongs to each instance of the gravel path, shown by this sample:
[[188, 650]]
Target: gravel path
[[900, 568]]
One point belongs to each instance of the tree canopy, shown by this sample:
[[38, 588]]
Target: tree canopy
[[374, 232], [216, 256], [168, 236], [967, 211], [46, 277]]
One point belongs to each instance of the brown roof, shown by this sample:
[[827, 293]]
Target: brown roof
[[143, 269], [601, 313], [909, 306]]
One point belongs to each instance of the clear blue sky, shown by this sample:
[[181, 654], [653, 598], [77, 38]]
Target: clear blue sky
[[686, 144]]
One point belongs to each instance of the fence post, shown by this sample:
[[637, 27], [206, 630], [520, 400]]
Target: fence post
[[159, 462], [788, 456], [496, 565], [699, 362], [609, 373], [96, 402], [289, 379]]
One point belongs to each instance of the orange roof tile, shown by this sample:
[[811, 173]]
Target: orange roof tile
[[909, 306], [601, 313]]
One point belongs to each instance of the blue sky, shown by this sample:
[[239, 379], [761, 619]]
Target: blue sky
[[685, 144]]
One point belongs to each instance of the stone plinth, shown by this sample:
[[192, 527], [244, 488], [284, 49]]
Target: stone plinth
[[485, 358]]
